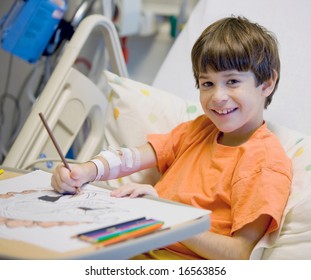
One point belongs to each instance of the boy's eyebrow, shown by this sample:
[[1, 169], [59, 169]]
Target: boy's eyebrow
[[203, 76], [228, 73]]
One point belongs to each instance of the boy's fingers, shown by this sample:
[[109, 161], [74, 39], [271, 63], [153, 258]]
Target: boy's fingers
[[134, 190], [122, 191], [62, 182], [60, 186]]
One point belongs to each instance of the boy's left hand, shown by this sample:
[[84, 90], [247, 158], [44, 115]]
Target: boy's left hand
[[134, 190]]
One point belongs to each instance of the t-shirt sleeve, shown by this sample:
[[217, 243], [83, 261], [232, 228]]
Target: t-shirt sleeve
[[167, 146], [265, 192]]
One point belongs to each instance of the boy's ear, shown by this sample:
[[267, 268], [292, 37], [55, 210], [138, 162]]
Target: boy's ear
[[268, 86]]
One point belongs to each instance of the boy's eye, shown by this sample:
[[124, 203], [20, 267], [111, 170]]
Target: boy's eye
[[232, 82], [206, 84]]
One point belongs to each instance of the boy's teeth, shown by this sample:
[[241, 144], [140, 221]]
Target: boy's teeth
[[224, 111]]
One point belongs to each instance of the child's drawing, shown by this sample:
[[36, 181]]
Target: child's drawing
[[46, 208]]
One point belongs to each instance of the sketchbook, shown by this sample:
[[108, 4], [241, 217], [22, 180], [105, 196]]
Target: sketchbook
[[30, 211]]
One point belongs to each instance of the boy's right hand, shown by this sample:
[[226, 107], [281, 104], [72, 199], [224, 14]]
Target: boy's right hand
[[66, 181]]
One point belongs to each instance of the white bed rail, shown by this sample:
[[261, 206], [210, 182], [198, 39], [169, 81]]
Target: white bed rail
[[68, 99]]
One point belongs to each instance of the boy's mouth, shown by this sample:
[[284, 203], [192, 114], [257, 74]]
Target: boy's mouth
[[225, 111]]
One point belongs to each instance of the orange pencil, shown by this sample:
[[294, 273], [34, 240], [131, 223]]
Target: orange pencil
[[129, 235]]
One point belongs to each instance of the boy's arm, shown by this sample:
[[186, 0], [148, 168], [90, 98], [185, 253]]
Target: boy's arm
[[64, 180], [147, 160], [214, 246]]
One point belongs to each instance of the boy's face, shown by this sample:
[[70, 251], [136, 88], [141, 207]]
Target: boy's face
[[233, 102]]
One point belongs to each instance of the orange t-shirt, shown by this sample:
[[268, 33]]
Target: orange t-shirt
[[238, 184]]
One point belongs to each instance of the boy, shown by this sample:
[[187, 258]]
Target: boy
[[226, 160]]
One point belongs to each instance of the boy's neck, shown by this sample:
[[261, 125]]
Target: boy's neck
[[234, 139], [230, 140]]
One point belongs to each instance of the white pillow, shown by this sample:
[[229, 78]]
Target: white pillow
[[293, 239], [135, 110]]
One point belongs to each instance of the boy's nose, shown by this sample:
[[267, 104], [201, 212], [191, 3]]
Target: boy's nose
[[219, 95]]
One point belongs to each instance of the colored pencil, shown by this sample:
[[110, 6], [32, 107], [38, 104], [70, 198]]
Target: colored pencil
[[129, 235], [111, 228], [54, 141], [121, 228], [118, 232]]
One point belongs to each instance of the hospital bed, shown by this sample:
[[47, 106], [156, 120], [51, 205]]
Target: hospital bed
[[129, 109], [70, 102]]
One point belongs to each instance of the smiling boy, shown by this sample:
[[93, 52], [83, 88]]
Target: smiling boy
[[226, 160]]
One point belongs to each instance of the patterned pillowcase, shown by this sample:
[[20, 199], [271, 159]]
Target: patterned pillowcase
[[135, 110]]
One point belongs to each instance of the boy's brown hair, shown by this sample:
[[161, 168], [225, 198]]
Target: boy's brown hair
[[236, 43]]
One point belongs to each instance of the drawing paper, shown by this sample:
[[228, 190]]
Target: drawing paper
[[31, 211]]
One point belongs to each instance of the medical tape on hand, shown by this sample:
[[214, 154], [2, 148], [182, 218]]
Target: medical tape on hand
[[100, 168], [130, 159], [124, 159], [113, 158]]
